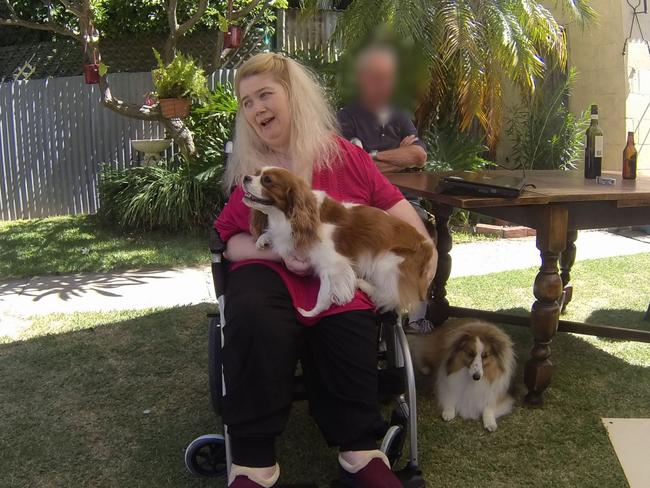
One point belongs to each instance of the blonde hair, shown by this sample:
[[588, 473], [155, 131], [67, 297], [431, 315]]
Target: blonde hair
[[313, 124]]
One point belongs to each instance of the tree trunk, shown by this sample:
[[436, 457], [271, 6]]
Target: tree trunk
[[176, 128]]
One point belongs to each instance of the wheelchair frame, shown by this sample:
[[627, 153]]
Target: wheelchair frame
[[210, 455]]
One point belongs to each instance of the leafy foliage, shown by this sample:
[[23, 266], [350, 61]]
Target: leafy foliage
[[449, 149], [182, 78], [212, 124], [546, 135], [469, 45], [328, 73], [177, 194]]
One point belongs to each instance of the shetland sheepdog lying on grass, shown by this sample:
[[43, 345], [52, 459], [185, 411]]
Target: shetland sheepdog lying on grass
[[472, 363]]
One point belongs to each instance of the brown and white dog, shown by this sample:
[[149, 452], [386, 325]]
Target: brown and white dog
[[472, 363], [349, 246]]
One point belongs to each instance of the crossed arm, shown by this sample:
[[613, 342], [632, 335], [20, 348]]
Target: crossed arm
[[407, 155]]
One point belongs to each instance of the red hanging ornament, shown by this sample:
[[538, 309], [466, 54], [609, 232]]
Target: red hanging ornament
[[91, 73], [232, 38]]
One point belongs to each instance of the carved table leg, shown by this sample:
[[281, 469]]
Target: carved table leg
[[545, 313], [567, 258], [438, 310]]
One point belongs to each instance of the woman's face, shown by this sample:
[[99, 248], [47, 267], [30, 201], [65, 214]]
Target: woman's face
[[265, 106]]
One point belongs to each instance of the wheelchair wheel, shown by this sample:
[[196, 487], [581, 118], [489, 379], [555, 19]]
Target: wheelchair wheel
[[393, 444], [206, 456]]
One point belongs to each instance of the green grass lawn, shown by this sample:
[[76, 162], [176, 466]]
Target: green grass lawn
[[59, 245], [74, 389], [72, 244]]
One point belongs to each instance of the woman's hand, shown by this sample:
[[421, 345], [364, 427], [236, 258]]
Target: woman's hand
[[299, 265], [242, 246]]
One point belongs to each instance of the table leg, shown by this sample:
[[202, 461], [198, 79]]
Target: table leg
[[438, 310], [567, 258], [545, 313]]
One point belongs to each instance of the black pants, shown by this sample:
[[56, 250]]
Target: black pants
[[263, 342]]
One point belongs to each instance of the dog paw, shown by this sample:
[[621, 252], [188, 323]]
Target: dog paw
[[342, 299], [342, 292], [263, 242], [490, 426], [448, 414]]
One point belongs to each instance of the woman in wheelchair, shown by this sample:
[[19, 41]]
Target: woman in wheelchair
[[284, 120]]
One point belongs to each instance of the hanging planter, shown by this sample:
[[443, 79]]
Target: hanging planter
[[91, 69], [175, 107], [232, 38], [91, 73]]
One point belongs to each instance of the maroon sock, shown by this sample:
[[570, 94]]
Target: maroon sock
[[244, 482], [376, 475]]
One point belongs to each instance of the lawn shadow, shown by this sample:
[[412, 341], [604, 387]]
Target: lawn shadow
[[619, 317], [77, 285], [73, 406]]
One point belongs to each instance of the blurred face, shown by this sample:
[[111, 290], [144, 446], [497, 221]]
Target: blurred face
[[265, 106], [376, 79]]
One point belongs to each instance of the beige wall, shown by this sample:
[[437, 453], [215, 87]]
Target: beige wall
[[637, 89], [619, 85], [595, 51]]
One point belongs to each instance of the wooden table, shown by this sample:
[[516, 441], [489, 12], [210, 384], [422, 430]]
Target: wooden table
[[560, 204]]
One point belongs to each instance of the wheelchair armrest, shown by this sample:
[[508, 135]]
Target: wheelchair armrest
[[217, 246], [219, 264]]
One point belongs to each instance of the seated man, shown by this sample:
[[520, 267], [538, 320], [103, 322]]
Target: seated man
[[386, 133]]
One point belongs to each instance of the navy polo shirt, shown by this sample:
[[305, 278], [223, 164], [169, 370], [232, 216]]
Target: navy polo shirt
[[356, 121]]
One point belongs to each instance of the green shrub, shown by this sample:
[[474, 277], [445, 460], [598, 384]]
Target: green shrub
[[181, 193], [182, 78], [152, 197], [545, 134], [449, 149]]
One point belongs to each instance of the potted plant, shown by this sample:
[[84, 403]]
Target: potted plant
[[178, 84]]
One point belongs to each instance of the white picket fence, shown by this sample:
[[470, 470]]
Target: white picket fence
[[55, 134]]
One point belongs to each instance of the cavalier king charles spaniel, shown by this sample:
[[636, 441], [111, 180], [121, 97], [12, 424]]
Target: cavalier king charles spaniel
[[349, 246]]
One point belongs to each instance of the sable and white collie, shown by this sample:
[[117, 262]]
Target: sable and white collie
[[472, 363], [349, 246]]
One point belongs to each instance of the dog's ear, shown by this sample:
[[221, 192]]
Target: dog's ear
[[258, 224], [302, 212], [460, 342], [497, 345]]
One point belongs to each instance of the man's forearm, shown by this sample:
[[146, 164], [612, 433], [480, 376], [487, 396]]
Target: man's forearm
[[404, 157]]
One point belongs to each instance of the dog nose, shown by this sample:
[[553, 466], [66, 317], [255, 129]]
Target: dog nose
[[476, 376], [248, 179]]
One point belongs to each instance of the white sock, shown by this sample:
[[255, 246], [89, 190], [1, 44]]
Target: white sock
[[360, 459], [256, 475], [418, 311]]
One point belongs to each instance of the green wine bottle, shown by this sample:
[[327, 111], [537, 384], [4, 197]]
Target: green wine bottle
[[594, 147]]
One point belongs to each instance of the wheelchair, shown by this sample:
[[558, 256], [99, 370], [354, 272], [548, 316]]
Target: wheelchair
[[209, 454]]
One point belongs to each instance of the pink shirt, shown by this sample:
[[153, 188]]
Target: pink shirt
[[354, 179]]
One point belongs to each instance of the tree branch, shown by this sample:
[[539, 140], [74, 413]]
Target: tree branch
[[12, 12], [245, 11], [71, 8], [45, 26], [189, 23], [172, 20], [133, 110]]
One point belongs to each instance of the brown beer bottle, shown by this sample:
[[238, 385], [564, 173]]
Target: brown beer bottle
[[629, 158]]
